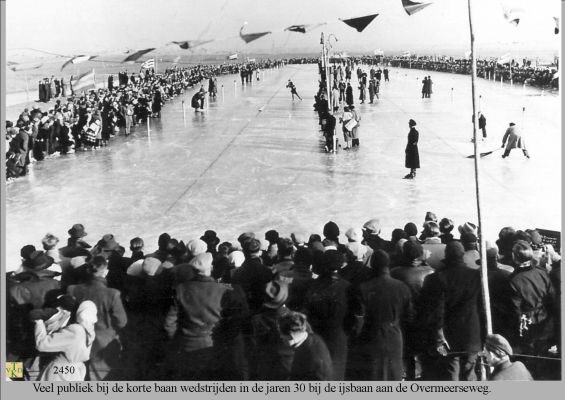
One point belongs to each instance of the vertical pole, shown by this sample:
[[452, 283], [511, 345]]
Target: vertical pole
[[183, 112], [234, 89], [484, 273], [223, 95], [148, 128], [452, 95]]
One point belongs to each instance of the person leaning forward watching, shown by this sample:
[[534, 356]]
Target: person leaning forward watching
[[497, 352]]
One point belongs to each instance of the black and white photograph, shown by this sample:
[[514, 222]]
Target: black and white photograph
[[238, 191]]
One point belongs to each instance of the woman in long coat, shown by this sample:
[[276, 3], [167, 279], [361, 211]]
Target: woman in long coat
[[72, 343], [412, 155]]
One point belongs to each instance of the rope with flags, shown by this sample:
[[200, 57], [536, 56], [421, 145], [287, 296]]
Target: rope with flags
[[148, 64]]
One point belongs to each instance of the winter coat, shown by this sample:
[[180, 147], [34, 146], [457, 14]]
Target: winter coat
[[513, 139], [511, 371], [412, 154], [312, 361]]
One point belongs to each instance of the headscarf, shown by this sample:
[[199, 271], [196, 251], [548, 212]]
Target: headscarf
[[86, 317]]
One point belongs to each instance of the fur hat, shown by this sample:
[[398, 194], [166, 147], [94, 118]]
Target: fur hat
[[331, 230]]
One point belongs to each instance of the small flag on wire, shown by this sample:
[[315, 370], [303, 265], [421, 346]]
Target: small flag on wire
[[133, 57], [232, 56], [148, 64], [83, 81], [360, 23], [77, 60], [412, 7]]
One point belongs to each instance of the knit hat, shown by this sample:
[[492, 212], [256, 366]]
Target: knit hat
[[411, 229], [236, 258], [202, 264], [50, 240], [196, 247], [354, 234], [498, 344], [331, 230]]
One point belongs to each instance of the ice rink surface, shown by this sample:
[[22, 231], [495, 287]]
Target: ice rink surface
[[254, 161]]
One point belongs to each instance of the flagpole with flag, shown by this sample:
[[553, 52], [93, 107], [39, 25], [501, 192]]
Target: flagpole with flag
[[484, 273]]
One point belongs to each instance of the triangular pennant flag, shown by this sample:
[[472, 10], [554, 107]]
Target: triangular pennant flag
[[303, 28], [360, 23], [189, 44], [77, 60], [556, 30], [249, 37], [133, 57], [296, 28], [513, 15], [411, 7]]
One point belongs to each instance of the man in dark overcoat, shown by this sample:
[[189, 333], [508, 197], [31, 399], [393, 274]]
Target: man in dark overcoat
[[412, 159], [450, 313], [386, 306]]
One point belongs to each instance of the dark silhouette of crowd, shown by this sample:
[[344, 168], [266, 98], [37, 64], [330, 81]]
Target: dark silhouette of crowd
[[347, 305], [89, 119]]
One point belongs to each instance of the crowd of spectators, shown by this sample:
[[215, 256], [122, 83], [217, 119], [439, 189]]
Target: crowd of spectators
[[88, 120], [341, 305]]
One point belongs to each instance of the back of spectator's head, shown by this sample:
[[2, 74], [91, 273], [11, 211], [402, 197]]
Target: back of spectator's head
[[98, 266], [236, 258], [411, 229], [272, 236], [244, 237], [303, 256], [430, 216], [412, 250], [522, 252], [27, 251], [398, 234], [225, 248], [202, 264], [163, 241], [454, 252], [251, 247], [354, 234], [445, 225], [371, 227], [331, 231], [136, 244], [506, 240], [285, 247], [197, 246], [380, 261], [521, 235], [314, 238], [431, 229], [536, 239], [469, 241], [210, 238]]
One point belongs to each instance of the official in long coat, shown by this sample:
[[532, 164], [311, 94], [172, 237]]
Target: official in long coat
[[349, 95], [386, 306], [412, 160]]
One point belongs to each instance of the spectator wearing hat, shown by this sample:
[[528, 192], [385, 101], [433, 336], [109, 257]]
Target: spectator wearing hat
[[531, 301], [445, 228], [272, 236], [253, 274], [469, 242], [202, 307], [412, 159], [212, 241], [497, 352], [360, 251], [371, 232], [312, 360], [105, 360], [331, 236], [450, 311], [432, 244], [285, 255], [329, 305], [162, 252], [505, 242], [301, 275], [136, 247], [430, 217], [72, 345], [221, 266], [113, 252], [76, 233], [412, 273], [31, 289], [386, 306], [271, 357]]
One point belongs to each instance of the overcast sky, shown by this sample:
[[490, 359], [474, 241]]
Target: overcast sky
[[83, 26]]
